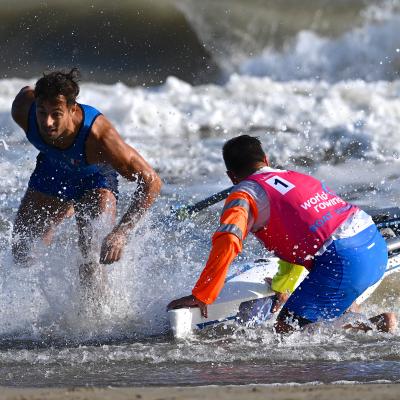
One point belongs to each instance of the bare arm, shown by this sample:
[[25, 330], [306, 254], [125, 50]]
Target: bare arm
[[105, 146], [21, 105]]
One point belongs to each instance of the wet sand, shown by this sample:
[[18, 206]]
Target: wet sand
[[249, 392]]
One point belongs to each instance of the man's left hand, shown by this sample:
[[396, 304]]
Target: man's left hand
[[189, 301], [279, 300], [112, 247]]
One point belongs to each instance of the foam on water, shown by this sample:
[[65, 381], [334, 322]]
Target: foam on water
[[43, 302], [371, 53], [180, 128], [313, 41]]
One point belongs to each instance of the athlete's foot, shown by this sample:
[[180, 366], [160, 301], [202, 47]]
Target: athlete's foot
[[386, 322]]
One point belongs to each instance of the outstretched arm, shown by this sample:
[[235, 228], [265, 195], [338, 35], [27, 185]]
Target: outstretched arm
[[105, 146], [226, 245], [224, 250]]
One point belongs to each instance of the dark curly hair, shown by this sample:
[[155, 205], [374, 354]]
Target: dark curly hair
[[58, 83], [242, 153]]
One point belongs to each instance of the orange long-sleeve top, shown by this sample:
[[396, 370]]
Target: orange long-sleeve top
[[227, 243]]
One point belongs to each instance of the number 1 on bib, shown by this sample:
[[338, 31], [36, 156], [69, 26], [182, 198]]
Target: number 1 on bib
[[280, 184]]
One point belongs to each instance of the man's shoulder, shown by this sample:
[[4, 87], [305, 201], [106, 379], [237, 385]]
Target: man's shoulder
[[25, 96], [249, 187], [103, 141], [21, 106], [90, 112], [101, 128]]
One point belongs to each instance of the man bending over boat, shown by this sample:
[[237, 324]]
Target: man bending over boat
[[304, 223], [80, 154]]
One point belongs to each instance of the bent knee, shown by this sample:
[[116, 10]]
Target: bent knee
[[288, 321]]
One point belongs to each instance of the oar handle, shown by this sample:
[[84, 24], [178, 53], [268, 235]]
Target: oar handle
[[186, 211], [209, 201]]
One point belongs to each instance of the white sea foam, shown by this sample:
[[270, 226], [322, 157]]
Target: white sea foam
[[369, 53], [295, 118]]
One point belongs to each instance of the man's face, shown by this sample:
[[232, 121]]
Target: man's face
[[53, 117]]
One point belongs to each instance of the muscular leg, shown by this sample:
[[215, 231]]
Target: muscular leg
[[94, 204], [37, 215], [385, 322], [47, 236], [287, 322]]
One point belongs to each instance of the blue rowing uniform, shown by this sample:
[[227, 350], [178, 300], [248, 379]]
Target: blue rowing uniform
[[65, 173]]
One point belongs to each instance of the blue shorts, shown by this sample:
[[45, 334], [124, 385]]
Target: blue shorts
[[67, 185], [338, 276]]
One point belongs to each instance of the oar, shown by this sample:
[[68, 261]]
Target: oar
[[186, 211]]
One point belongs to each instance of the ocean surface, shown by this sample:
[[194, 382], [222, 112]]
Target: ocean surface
[[318, 83]]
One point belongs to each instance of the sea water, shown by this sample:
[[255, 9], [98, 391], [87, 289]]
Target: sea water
[[321, 91]]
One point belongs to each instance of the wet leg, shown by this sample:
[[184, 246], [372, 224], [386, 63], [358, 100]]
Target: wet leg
[[287, 322], [48, 234], [385, 322], [37, 216], [99, 203]]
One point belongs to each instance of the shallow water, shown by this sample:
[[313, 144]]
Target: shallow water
[[234, 358]]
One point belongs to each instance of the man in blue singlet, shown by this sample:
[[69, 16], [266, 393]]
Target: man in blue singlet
[[80, 154]]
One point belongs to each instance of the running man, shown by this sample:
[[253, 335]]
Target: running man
[[302, 222], [80, 154]]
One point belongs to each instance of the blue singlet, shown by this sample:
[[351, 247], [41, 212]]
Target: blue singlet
[[65, 173]]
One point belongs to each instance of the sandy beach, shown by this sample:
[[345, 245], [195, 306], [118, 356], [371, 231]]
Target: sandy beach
[[249, 392]]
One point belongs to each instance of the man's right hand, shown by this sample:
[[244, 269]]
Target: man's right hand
[[112, 246], [189, 301]]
